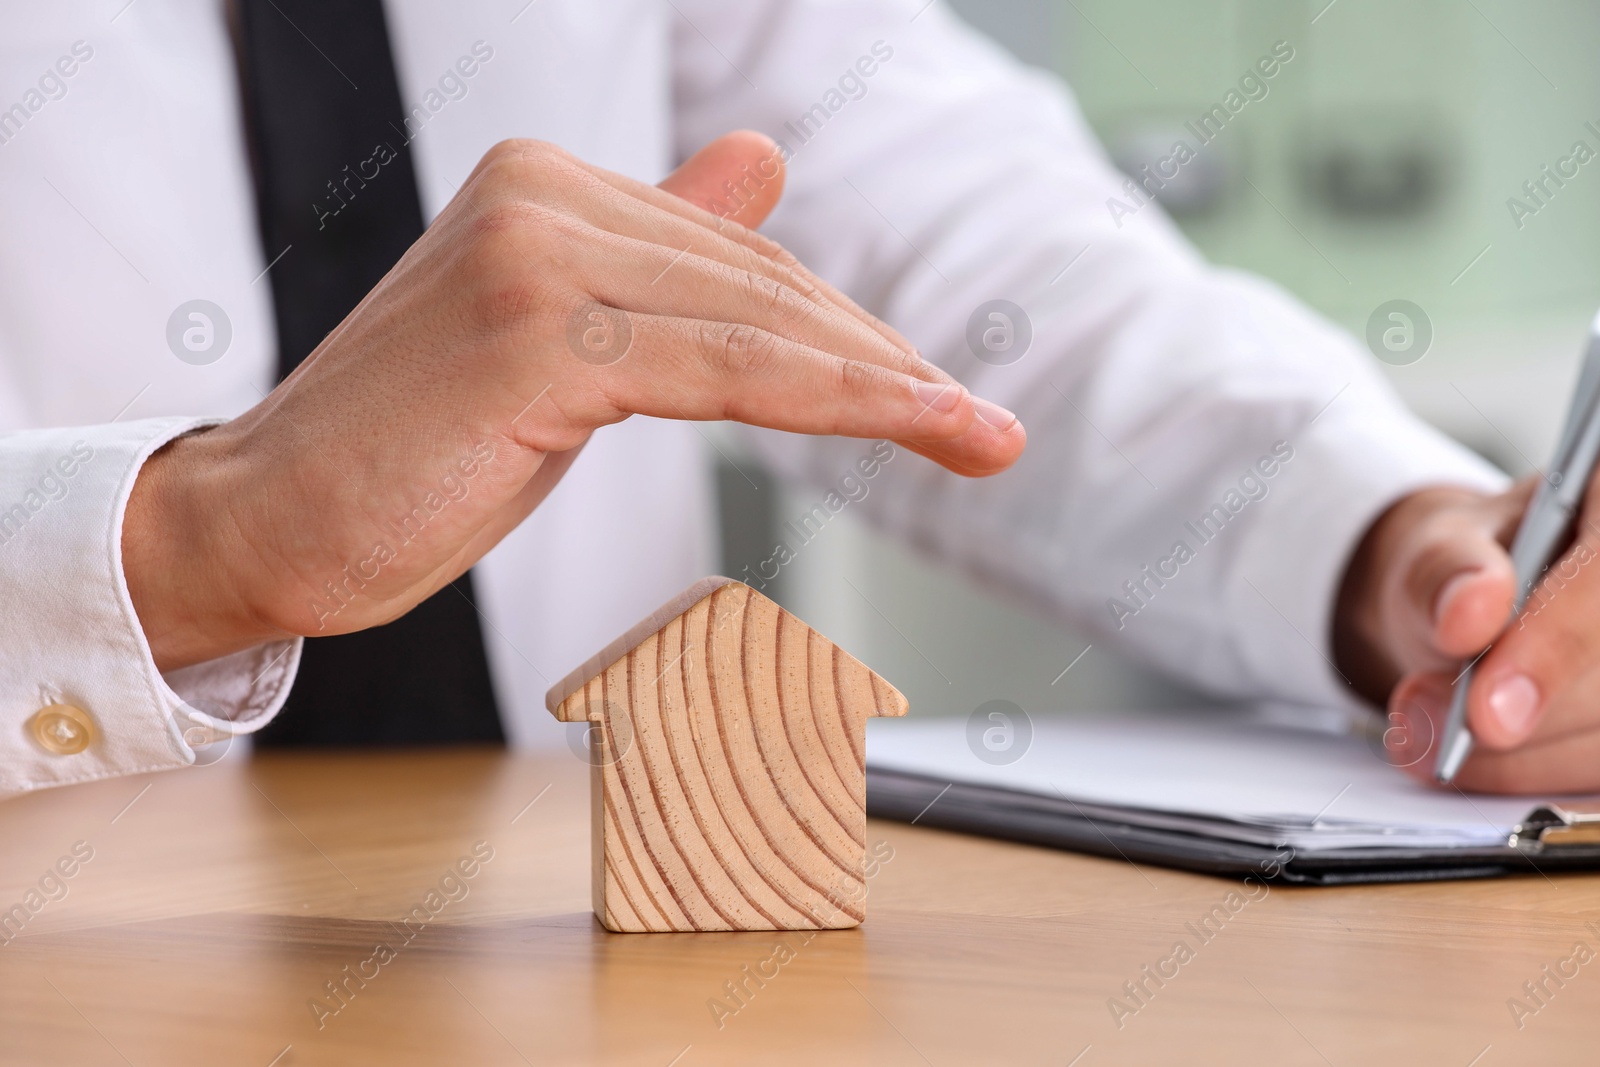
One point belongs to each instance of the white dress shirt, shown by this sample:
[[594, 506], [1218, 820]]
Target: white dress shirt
[[1167, 402]]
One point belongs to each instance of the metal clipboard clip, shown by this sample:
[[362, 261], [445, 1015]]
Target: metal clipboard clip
[[1555, 826]]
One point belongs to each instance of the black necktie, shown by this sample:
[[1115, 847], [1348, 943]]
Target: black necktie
[[337, 199]]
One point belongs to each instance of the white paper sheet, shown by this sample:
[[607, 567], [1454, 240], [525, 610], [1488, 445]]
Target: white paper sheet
[[1236, 774]]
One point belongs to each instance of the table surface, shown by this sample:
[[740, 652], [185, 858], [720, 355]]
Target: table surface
[[219, 902]]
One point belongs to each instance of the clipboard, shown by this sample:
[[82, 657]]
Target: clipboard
[[1235, 793]]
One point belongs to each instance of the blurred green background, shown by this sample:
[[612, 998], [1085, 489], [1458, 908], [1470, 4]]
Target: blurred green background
[[1481, 93], [1377, 167]]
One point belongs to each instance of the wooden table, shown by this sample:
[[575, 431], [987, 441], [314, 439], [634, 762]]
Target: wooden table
[[219, 901]]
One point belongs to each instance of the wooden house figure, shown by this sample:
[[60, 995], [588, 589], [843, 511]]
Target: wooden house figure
[[728, 783]]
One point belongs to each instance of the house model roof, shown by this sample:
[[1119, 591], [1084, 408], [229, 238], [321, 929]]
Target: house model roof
[[635, 636]]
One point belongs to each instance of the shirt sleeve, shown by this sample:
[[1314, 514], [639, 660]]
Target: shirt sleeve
[[1204, 452], [80, 695]]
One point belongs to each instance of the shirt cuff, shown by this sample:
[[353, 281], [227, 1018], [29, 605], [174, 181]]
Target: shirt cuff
[[81, 697], [1360, 455]]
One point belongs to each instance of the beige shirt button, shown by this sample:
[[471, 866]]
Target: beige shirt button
[[62, 729]]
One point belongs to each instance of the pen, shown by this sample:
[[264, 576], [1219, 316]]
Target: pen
[[1542, 533]]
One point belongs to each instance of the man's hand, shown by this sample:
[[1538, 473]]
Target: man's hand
[[1428, 589], [549, 299]]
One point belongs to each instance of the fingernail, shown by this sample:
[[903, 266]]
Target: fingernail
[[941, 397], [994, 414], [1451, 588], [1515, 702]]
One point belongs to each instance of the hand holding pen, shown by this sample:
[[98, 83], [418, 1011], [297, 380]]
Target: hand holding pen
[[1437, 585], [1545, 530]]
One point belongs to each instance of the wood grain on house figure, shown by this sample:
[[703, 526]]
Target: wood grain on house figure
[[730, 791]]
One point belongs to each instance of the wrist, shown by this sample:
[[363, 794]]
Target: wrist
[[180, 552]]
